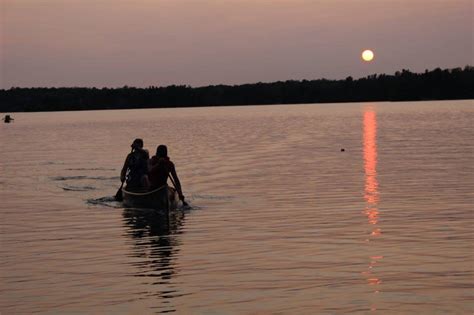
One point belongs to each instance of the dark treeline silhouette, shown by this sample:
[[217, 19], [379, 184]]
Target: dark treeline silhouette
[[437, 84]]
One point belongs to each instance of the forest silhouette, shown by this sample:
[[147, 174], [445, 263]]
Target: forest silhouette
[[404, 85]]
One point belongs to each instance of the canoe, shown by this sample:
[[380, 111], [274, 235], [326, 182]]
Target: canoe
[[7, 119], [163, 198]]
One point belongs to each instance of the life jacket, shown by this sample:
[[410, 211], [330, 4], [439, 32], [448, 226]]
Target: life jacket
[[137, 167], [160, 169]]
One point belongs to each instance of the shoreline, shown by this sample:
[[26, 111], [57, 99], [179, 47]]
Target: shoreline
[[237, 105]]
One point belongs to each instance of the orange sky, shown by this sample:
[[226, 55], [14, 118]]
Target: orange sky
[[199, 42]]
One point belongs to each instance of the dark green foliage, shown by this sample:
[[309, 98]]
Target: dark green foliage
[[402, 86]]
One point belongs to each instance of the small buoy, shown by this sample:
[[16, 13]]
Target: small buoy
[[342, 150]]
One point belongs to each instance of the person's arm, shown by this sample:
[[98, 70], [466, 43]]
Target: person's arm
[[123, 173], [150, 164], [177, 183]]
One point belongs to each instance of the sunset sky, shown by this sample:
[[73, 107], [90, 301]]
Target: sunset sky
[[112, 43]]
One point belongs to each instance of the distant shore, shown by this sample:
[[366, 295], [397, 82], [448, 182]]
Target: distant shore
[[404, 85]]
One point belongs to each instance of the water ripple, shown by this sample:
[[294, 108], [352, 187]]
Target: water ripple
[[281, 221]]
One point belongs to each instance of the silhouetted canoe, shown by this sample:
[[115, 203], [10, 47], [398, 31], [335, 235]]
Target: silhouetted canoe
[[7, 119], [163, 198]]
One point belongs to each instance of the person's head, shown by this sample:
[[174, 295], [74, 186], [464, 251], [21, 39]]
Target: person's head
[[137, 144], [161, 151]]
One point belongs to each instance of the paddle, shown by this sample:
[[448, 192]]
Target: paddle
[[172, 181], [118, 195]]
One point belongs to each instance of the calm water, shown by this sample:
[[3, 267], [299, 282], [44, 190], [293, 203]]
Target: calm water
[[283, 221]]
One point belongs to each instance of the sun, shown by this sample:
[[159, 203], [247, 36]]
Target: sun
[[368, 55]]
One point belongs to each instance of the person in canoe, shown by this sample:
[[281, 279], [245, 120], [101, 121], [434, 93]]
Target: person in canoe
[[8, 119], [135, 168], [161, 167]]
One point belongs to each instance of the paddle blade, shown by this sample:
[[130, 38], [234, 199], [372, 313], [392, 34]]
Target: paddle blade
[[118, 195], [186, 205]]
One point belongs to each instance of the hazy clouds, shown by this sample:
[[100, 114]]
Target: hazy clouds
[[200, 42]]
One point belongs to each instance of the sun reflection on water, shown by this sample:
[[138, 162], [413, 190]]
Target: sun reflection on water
[[371, 195]]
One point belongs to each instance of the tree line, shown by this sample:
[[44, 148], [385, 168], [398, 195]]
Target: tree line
[[404, 85]]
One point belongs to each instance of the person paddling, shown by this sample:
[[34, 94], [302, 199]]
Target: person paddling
[[162, 168], [135, 168], [8, 119]]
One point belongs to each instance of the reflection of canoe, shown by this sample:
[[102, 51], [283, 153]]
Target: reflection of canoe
[[163, 198]]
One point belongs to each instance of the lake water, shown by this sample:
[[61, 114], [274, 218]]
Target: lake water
[[282, 221]]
